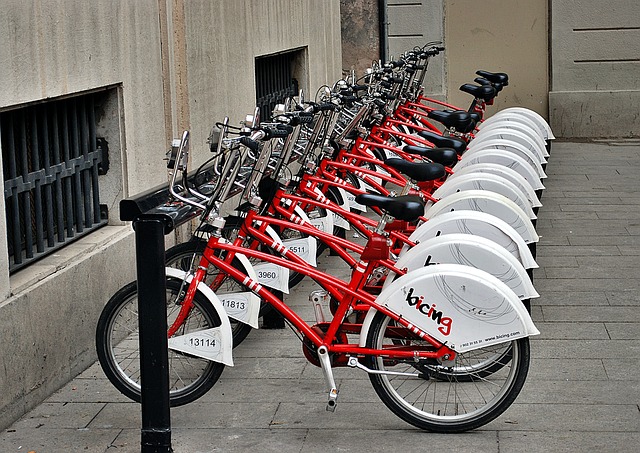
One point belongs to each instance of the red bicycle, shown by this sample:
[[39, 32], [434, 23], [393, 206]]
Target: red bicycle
[[439, 359]]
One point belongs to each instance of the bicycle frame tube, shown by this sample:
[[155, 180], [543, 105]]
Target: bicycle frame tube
[[347, 294], [359, 222]]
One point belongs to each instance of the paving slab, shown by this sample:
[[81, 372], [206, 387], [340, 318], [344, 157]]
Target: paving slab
[[582, 392], [569, 442]]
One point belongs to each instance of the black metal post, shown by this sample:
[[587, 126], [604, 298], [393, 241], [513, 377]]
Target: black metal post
[[153, 219], [152, 316]]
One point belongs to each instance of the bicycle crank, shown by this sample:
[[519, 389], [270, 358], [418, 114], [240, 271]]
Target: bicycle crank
[[355, 363], [325, 362]]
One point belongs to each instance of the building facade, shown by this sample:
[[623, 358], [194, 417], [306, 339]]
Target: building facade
[[91, 94], [574, 62]]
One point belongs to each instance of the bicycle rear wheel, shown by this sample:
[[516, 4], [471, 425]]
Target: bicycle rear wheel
[[118, 348], [456, 398]]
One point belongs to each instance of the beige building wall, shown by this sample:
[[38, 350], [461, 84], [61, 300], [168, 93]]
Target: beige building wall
[[360, 34], [415, 23], [175, 64], [495, 35], [595, 77]]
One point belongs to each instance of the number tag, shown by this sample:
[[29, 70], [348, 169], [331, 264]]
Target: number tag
[[339, 221], [323, 223], [382, 171], [243, 307], [352, 198], [305, 248], [273, 276], [203, 343]]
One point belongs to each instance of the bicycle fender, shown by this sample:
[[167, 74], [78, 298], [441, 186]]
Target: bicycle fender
[[518, 122], [513, 136], [510, 148], [241, 306], [486, 181], [213, 344], [507, 173], [470, 250], [508, 160], [519, 128], [509, 120], [250, 314], [479, 224], [485, 201], [322, 223], [305, 247], [463, 307], [532, 115], [351, 197]]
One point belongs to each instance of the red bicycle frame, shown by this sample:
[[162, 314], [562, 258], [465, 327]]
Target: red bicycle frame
[[348, 295]]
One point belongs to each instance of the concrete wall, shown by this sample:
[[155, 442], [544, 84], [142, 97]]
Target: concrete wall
[[175, 65], [409, 23], [360, 34], [495, 35], [595, 88], [221, 52], [415, 23]]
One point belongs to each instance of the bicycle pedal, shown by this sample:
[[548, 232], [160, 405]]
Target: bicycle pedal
[[333, 400]]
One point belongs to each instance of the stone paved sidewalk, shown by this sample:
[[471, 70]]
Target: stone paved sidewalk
[[582, 393]]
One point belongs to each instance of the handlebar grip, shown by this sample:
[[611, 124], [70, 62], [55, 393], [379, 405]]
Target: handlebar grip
[[324, 107], [305, 117], [285, 127], [357, 88], [277, 132], [379, 102], [250, 143]]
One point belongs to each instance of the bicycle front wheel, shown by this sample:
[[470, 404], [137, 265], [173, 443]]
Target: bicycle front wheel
[[183, 256], [118, 348], [464, 396]]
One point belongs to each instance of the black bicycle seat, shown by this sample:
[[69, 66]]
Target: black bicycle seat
[[444, 142], [484, 92], [494, 77], [418, 171], [460, 120], [405, 207], [445, 156]]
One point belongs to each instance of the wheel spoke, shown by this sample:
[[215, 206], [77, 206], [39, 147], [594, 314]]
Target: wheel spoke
[[474, 389]]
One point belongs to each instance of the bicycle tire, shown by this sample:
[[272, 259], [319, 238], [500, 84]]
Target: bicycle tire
[[118, 351], [443, 403]]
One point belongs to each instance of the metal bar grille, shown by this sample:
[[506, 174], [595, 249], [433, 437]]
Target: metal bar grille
[[274, 81], [51, 159]]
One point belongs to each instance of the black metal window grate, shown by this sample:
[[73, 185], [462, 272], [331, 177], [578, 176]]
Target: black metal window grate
[[274, 81], [51, 160]]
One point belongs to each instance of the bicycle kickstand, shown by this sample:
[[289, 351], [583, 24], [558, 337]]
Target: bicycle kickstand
[[325, 362]]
